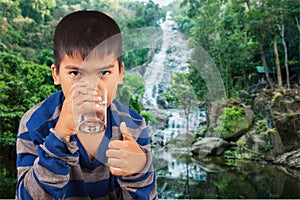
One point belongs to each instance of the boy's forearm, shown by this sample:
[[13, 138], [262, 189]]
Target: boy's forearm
[[48, 175]]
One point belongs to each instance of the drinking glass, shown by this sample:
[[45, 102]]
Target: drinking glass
[[94, 122]]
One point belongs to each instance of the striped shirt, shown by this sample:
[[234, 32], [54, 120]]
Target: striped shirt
[[49, 167]]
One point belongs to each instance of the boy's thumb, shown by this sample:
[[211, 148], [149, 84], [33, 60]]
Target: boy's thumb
[[125, 133]]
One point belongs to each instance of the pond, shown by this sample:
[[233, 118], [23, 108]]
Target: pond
[[216, 177]]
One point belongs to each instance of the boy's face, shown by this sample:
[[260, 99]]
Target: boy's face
[[105, 72]]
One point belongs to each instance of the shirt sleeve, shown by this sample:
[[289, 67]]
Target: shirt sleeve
[[43, 170]]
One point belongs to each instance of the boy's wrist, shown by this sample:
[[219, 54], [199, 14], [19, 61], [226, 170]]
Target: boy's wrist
[[57, 147], [60, 131]]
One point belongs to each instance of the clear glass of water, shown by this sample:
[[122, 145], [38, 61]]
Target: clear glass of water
[[94, 122]]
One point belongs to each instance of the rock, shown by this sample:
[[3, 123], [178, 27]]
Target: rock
[[262, 106], [264, 142], [162, 103], [217, 126], [209, 146], [182, 140], [290, 159], [279, 132], [281, 110], [244, 94], [257, 87], [285, 106]]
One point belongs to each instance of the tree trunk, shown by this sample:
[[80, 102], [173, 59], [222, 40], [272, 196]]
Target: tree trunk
[[228, 80], [248, 4], [246, 86], [285, 56], [298, 25], [263, 58], [187, 113], [286, 64], [279, 77]]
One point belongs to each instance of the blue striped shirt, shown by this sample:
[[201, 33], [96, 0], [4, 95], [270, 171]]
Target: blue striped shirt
[[51, 168]]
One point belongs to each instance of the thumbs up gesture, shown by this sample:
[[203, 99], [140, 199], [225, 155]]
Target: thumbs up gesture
[[125, 157]]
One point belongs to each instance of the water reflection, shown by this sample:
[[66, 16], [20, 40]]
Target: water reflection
[[214, 177]]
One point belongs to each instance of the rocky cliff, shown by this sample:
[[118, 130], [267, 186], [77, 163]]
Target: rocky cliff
[[268, 129]]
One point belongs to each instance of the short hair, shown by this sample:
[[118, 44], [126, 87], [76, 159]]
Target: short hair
[[80, 32]]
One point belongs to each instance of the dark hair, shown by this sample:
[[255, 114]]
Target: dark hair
[[80, 32]]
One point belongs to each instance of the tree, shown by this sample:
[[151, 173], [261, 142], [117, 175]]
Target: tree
[[130, 92], [39, 10], [256, 24], [286, 11], [220, 28], [271, 18], [183, 95], [22, 84]]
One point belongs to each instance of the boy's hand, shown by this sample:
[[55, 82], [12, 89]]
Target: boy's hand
[[66, 123], [79, 99], [125, 157]]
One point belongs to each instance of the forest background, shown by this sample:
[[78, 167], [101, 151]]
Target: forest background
[[239, 35]]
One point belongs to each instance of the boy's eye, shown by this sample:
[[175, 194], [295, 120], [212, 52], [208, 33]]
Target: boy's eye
[[104, 73], [75, 73]]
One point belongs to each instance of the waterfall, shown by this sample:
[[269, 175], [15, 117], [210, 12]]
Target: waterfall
[[171, 58]]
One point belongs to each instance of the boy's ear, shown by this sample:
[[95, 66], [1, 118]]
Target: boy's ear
[[55, 75], [121, 73]]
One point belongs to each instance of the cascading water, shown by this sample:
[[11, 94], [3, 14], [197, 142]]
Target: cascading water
[[171, 58]]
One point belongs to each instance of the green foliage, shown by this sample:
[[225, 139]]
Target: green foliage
[[241, 143], [135, 58], [267, 147], [144, 16], [149, 117], [235, 33], [130, 92], [230, 154], [261, 127], [22, 84], [198, 84], [39, 10], [181, 92], [232, 118], [272, 131], [45, 57], [222, 185], [27, 26]]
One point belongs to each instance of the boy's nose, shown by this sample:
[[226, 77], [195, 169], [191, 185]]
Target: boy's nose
[[91, 81]]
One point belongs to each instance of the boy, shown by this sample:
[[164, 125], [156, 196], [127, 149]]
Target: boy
[[52, 162]]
